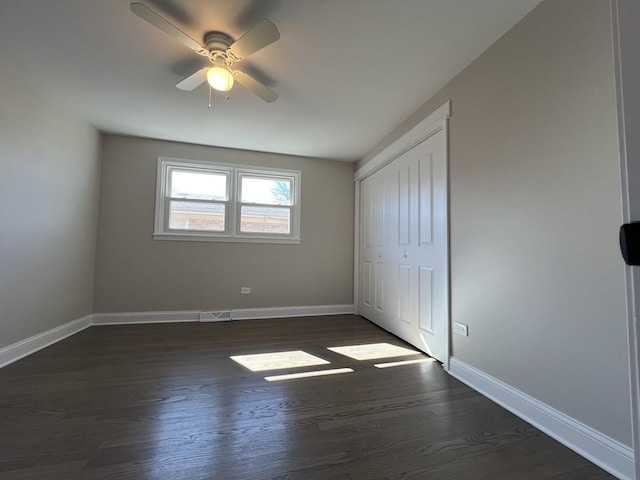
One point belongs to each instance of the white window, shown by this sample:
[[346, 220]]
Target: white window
[[206, 201]]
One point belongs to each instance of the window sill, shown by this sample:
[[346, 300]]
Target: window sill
[[225, 239]]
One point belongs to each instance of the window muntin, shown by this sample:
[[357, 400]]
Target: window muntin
[[219, 202]]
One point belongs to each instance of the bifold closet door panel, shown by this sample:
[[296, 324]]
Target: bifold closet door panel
[[403, 247]]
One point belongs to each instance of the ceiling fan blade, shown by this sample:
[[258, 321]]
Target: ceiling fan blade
[[194, 80], [259, 36], [159, 22], [255, 86]]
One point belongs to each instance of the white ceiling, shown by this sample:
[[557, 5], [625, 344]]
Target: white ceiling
[[347, 71]]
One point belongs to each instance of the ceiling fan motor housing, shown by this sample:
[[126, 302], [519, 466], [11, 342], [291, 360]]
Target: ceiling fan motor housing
[[216, 42]]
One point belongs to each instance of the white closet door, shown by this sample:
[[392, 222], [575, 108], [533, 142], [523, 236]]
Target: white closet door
[[431, 260], [372, 301], [403, 247], [400, 228]]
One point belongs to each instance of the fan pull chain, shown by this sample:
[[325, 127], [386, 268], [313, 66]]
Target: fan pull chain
[[209, 96]]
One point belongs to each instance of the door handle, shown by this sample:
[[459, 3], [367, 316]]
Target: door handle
[[630, 243]]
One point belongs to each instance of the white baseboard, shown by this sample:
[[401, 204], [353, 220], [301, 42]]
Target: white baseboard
[[597, 447], [18, 350], [128, 318], [285, 312]]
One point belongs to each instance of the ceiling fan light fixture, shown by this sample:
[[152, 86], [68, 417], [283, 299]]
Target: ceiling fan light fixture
[[220, 79], [221, 50]]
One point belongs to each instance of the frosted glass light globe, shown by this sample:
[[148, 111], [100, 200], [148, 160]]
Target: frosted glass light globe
[[220, 79]]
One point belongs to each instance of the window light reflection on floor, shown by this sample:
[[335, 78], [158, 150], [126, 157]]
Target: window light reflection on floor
[[373, 351], [316, 373], [404, 362], [278, 360]]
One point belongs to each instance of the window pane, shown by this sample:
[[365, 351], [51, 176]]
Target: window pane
[[265, 220], [196, 216], [270, 191], [198, 185]]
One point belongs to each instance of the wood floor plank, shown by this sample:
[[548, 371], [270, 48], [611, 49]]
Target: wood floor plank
[[165, 401]]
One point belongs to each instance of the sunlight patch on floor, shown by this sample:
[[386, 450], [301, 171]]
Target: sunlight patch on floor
[[316, 373], [372, 351], [278, 360], [404, 362]]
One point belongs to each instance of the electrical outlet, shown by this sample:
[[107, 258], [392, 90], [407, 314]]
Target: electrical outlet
[[460, 329], [245, 290]]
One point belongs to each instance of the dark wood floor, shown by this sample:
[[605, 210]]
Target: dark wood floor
[[166, 402]]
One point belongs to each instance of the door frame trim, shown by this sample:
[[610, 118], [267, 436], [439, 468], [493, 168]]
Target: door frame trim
[[432, 124], [628, 107], [423, 130]]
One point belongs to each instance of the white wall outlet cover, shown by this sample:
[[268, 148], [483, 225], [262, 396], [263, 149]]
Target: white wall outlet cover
[[460, 329], [245, 290]]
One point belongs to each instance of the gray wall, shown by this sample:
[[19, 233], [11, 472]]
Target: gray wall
[[134, 273], [49, 180], [535, 207]]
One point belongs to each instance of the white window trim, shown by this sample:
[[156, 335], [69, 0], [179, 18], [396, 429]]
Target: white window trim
[[232, 213]]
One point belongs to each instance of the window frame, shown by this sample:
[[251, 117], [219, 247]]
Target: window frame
[[233, 203], [168, 198]]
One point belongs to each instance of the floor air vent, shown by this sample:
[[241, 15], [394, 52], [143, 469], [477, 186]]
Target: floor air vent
[[216, 316]]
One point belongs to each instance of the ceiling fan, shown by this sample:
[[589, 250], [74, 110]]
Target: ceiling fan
[[221, 50]]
